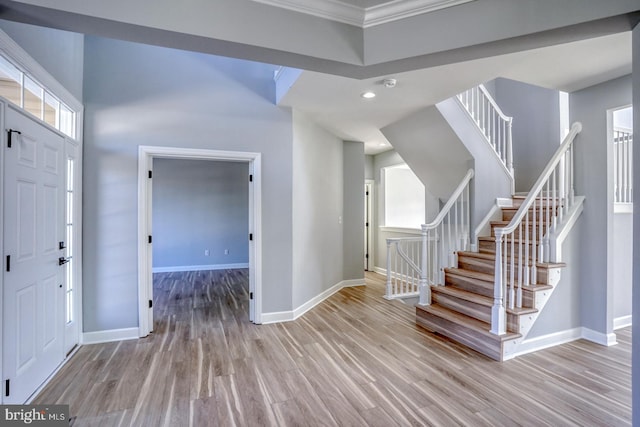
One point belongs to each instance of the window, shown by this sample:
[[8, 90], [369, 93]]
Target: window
[[404, 198], [20, 89]]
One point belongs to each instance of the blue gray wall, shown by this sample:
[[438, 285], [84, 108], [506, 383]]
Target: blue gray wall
[[317, 209], [200, 205], [59, 52], [622, 264], [593, 169], [353, 203], [536, 127], [144, 95]]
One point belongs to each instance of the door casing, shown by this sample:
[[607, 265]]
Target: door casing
[[146, 154]]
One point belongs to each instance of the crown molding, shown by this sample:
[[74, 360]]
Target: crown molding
[[401, 9], [336, 10], [333, 10]]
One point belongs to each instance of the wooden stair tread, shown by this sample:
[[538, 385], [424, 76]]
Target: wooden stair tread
[[476, 325], [520, 311], [537, 287], [471, 274], [463, 295], [491, 256]]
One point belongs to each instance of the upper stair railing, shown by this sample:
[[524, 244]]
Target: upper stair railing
[[525, 241], [414, 264], [623, 165], [493, 123]]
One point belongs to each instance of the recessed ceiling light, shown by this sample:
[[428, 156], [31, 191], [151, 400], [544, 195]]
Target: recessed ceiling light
[[368, 95]]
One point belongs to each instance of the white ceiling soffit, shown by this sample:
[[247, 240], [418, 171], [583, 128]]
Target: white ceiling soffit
[[347, 13]]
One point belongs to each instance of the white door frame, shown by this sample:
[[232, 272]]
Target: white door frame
[[370, 185], [146, 154]]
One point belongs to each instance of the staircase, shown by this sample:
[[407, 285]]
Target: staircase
[[490, 298], [462, 308]]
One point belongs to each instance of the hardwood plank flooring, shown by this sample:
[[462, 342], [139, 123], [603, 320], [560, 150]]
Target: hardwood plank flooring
[[354, 360]]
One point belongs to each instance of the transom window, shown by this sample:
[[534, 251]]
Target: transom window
[[22, 90]]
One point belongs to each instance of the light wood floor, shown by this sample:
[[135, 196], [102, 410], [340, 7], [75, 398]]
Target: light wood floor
[[356, 359]]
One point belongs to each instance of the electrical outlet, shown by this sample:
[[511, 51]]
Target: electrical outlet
[[226, 251], [206, 252]]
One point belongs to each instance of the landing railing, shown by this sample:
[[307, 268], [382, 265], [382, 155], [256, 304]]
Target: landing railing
[[494, 124], [415, 264], [623, 166], [525, 241]]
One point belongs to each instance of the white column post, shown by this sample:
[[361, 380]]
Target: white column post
[[498, 314], [425, 290], [389, 272]]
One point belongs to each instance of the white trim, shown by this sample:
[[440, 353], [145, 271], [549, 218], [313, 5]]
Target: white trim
[[287, 316], [545, 341], [370, 184], [347, 13], [622, 322], [557, 338], [380, 270], [402, 230], [598, 337], [109, 336], [400, 9], [623, 208], [146, 154], [557, 238], [200, 267]]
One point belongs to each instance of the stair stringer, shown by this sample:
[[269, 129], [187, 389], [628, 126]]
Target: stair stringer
[[513, 347], [492, 179]]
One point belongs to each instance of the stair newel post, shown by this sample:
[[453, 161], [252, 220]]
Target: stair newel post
[[425, 290], [498, 314], [389, 292]]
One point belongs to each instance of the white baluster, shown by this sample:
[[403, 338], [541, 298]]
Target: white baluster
[[425, 290]]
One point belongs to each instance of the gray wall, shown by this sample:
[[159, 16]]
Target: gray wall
[[317, 209], [593, 170], [431, 149], [353, 218], [536, 127], [563, 311], [143, 95], [622, 263], [59, 52], [200, 205], [368, 167]]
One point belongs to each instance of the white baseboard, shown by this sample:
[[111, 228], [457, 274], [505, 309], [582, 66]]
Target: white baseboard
[[599, 337], [563, 337], [287, 316], [546, 341], [201, 267], [380, 270], [110, 335], [622, 322]]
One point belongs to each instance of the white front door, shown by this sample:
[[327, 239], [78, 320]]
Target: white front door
[[33, 316]]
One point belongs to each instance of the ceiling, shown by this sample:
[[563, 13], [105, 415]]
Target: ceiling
[[335, 102], [460, 43]]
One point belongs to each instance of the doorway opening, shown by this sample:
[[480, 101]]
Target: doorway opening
[[146, 156]]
